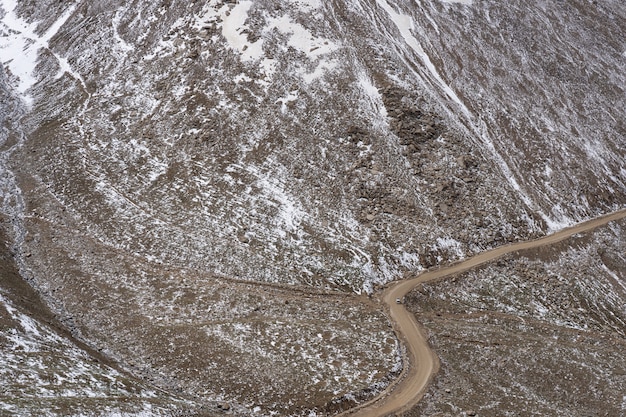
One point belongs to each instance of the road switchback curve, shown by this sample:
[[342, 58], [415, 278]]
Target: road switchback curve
[[421, 362]]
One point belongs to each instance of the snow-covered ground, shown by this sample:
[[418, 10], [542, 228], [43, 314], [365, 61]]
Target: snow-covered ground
[[20, 46]]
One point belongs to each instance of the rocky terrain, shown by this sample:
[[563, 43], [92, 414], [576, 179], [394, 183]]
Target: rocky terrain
[[207, 193], [45, 371], [542, 330]]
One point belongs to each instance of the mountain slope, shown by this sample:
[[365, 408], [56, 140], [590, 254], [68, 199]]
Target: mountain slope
[[226, 176], [541, 330]]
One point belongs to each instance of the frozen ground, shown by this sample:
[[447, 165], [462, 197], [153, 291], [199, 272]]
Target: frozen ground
[[227, 182]]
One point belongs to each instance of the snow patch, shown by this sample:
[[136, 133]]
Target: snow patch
[[547, 171], [122, 44], [308, 5], [615, 277], [20, 45], [233, 24], [242, 77], [559, 220], [301, 38], [234, 30], [368, 87], [410, 261], [284, 101], [319, 71], [450, 244], [290, 212], [468, 2]]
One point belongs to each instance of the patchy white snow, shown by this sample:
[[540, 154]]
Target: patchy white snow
[[451, 245], [410, 261], [232, 21], [182, 115], [16, 47], [20, 45], [406, 26], [284, 101], [36, 363], [320, 70], [376, 99], [458, 1], [301, 38], [290, 212], [66, 68], [559, 220], [547, 171], [122, 44], [308, 5], [234, 28]]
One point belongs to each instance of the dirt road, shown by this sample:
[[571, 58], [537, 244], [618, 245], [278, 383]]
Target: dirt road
[[422, 361]]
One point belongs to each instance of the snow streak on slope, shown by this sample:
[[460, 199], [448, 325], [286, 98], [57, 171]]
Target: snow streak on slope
[[546, 83], [20, 45], [406, 25]]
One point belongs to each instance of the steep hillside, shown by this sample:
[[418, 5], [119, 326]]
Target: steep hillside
[[208, 191]]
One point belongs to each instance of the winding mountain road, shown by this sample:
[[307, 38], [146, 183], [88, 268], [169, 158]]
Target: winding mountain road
[[423, 363]]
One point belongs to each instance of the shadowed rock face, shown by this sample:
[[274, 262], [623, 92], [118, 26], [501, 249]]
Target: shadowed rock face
[[199, 189]]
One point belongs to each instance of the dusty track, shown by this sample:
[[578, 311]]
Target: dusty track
[[422, 361]]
